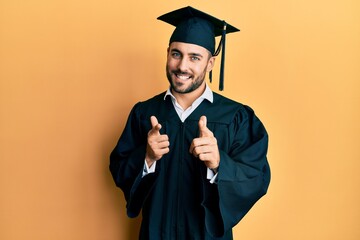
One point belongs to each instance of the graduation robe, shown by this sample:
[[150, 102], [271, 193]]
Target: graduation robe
[[177, 200]]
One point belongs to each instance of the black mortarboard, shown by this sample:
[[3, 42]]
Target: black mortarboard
[[196, 27]]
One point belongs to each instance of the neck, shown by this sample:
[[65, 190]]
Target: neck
[[185, 100]]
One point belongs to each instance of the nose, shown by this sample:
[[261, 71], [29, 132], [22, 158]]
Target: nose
[[183, 65]]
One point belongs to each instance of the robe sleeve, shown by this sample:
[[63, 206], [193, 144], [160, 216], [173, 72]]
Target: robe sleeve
[[243, 175], [127, 162]]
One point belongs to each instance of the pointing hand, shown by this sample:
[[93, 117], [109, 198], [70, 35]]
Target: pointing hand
[[157, 144], [205, 146]]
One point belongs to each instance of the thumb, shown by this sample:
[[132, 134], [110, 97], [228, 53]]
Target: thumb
[[155, 125], [202, 126]]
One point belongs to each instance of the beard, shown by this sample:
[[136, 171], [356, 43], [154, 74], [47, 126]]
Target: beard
[[195, 82]]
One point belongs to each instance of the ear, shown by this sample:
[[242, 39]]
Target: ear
[[210, 64], [167, 53]]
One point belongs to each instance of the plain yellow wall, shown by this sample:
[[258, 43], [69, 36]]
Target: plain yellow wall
[[70, 71]]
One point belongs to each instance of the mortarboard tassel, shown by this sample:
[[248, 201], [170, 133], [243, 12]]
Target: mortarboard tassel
[[214, 55], [222, 65], [221, 47]]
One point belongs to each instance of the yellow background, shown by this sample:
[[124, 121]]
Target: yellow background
[[70, 71]]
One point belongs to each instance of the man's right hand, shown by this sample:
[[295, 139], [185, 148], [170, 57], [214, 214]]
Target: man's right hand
[[157, 144]]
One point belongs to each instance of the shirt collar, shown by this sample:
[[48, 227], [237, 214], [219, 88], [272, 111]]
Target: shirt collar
[[207, 94]]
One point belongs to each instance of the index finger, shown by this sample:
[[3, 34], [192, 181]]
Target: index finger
[[155, 130], [153, 121]]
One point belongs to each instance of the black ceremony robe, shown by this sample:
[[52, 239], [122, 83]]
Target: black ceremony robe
[[177, 201]]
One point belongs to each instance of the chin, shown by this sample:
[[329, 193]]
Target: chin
[[179, 89]]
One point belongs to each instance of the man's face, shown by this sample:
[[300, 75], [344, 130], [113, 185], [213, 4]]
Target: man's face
[[187, 65]]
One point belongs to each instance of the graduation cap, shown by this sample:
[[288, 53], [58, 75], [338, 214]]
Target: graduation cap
[[196, 27]]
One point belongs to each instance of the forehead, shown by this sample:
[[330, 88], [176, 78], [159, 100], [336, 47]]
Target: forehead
[[188, 48]]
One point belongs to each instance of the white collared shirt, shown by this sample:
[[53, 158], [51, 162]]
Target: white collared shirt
[[183, 114]]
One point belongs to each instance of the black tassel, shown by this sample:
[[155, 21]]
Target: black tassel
[[215, 54], [222, 66], [221, 48]]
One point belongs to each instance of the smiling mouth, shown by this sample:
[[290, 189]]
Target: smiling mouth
[[182, 76]]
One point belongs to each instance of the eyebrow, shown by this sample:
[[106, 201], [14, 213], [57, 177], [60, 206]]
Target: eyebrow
[[191, 54], [196, 55]]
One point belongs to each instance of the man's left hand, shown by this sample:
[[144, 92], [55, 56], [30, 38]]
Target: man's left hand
[[205, 146]]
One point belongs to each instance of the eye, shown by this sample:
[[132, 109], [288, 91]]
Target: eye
[[194, 58], [175, 55]]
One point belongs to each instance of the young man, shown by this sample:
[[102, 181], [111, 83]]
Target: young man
[[193, 161]]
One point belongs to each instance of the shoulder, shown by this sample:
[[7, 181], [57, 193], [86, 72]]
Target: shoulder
[[149, 107], [228, 110], [151, 101], [238, 116], [155, 99]]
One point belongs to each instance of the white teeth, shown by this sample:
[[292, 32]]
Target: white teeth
[[183, 77]]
